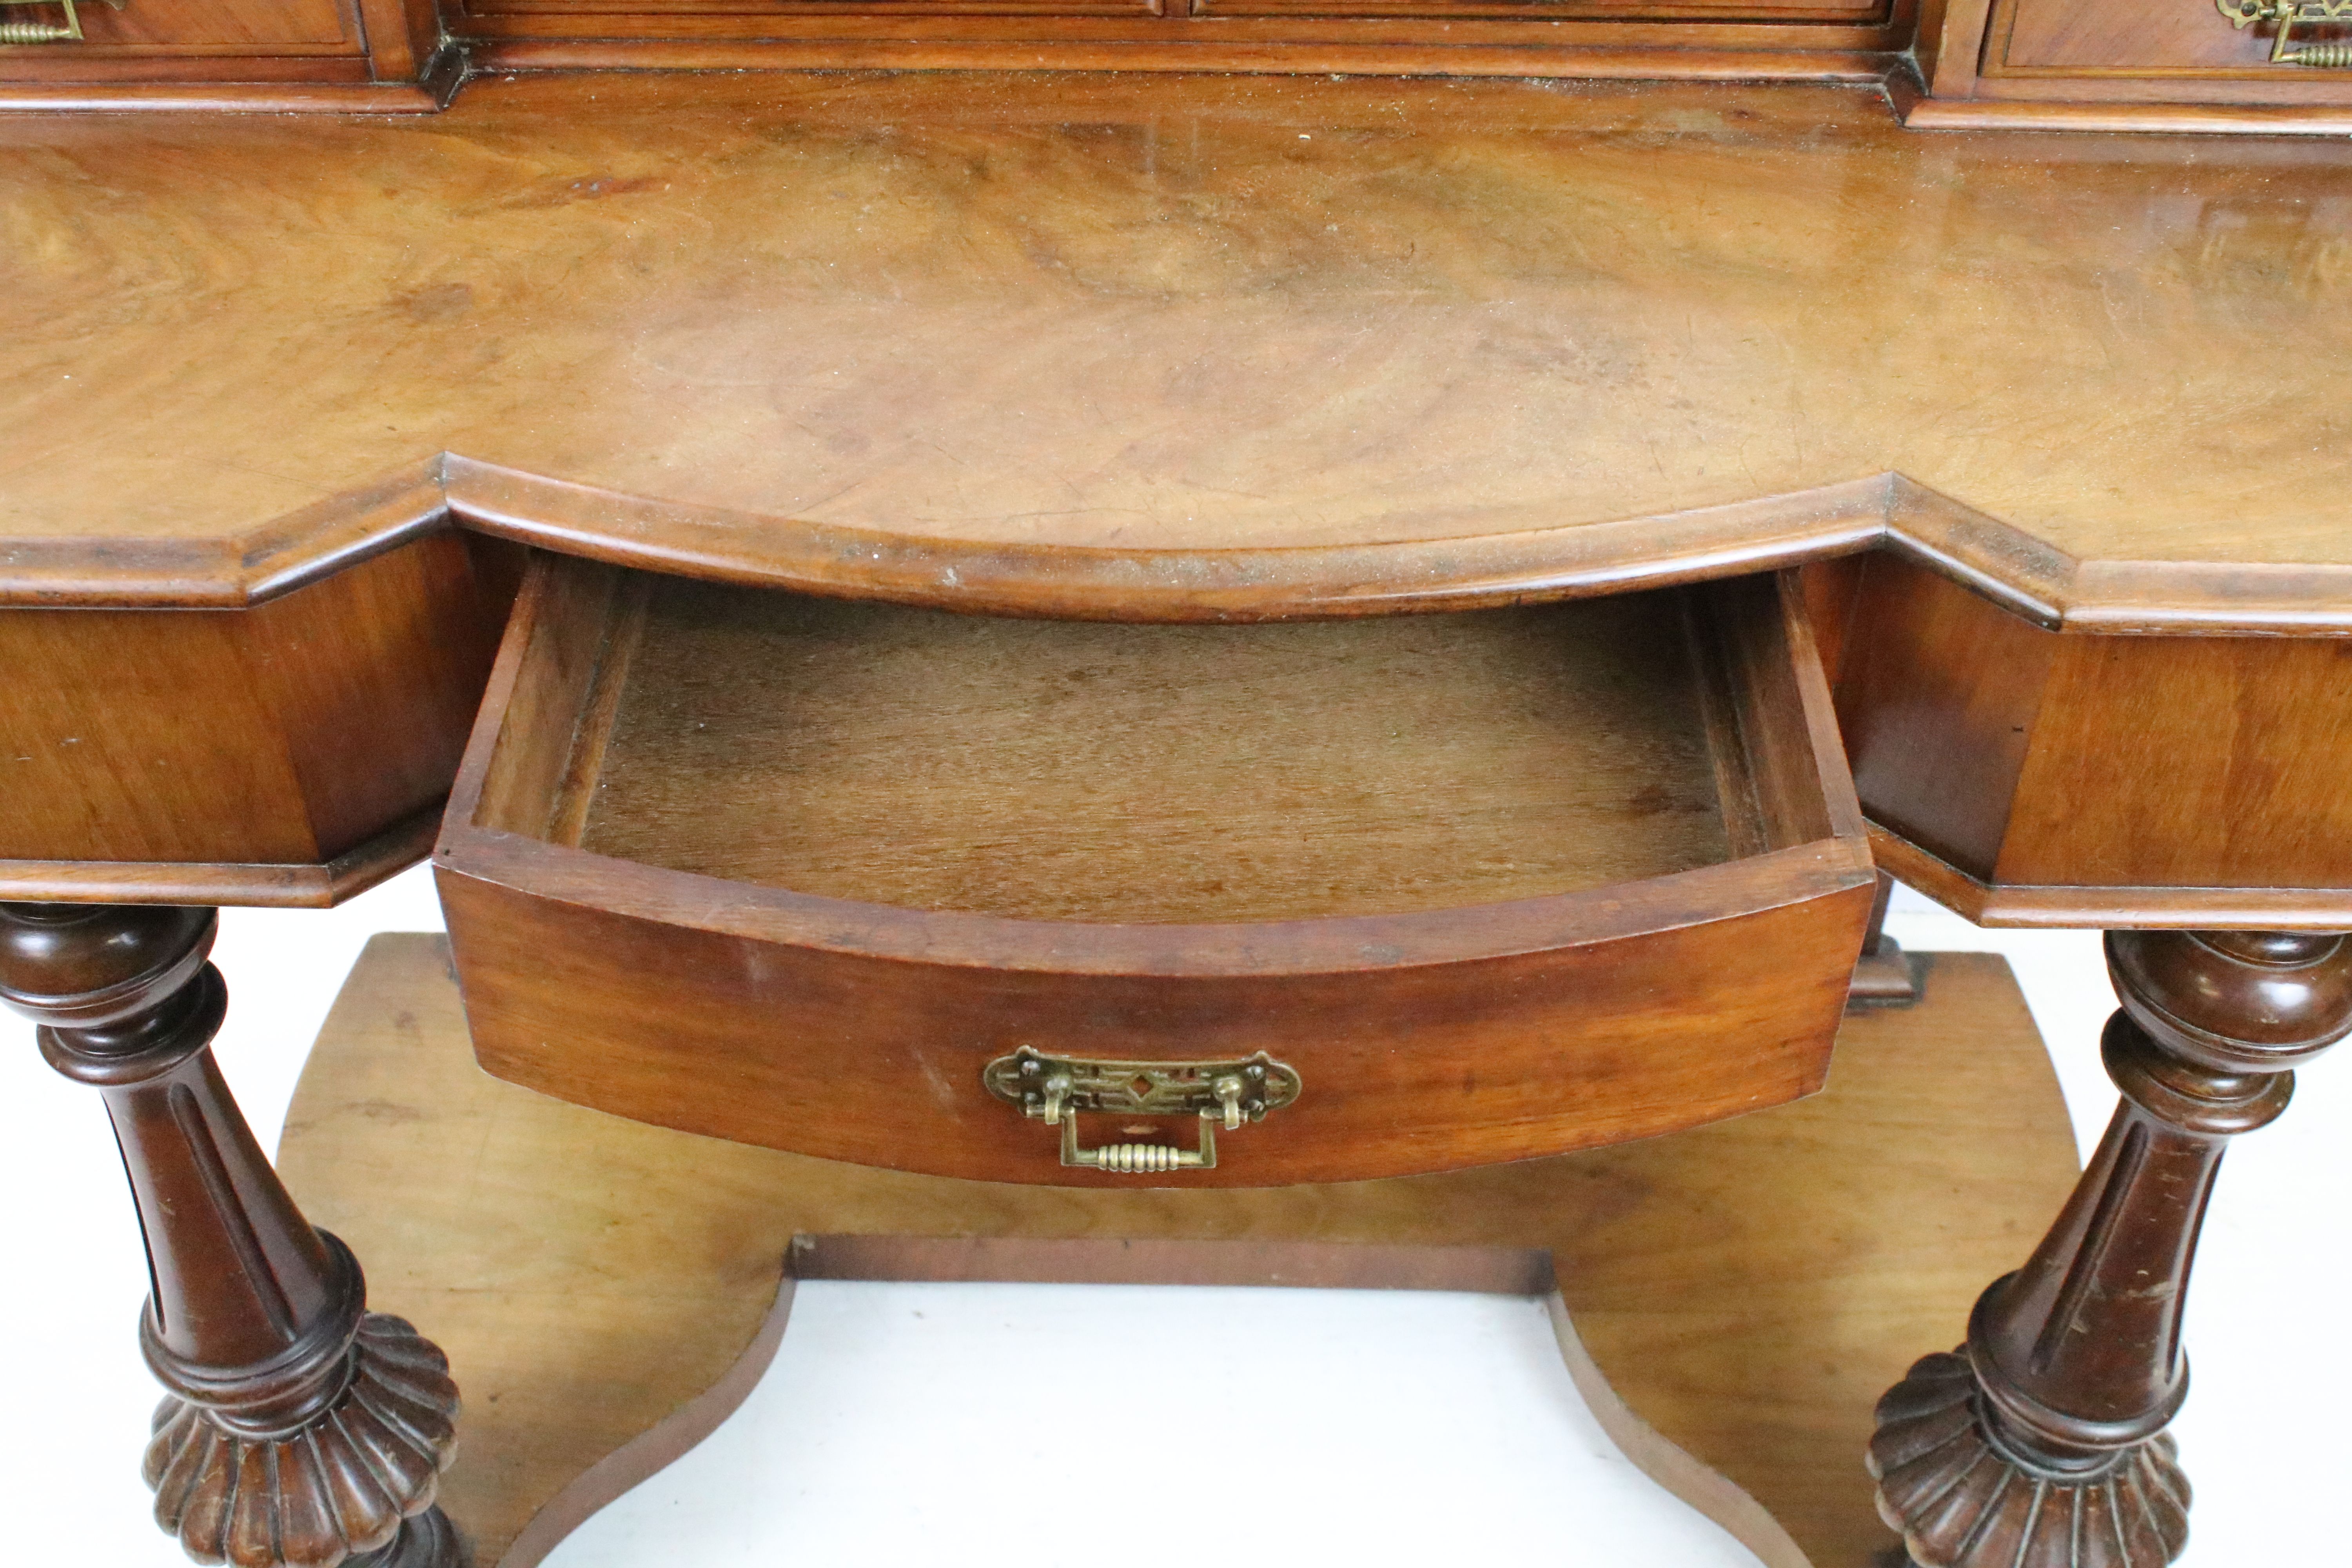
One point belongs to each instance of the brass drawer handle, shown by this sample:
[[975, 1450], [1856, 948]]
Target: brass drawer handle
[[1054, 1089], [66, 32], [2288, 15]]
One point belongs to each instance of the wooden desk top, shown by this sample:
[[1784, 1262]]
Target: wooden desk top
[[1640, 331]]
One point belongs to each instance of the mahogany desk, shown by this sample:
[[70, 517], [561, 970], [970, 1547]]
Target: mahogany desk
[[2043, 440]]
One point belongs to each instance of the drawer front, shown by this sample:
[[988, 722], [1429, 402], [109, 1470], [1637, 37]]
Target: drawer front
[[1856, 12], [207, 27], [2159, 38], [1679, 36], [1846, 11], [1493, 885], [1402, 1071]]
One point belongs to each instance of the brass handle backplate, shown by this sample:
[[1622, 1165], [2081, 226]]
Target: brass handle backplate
[[1055, 1089], [2289, 15]]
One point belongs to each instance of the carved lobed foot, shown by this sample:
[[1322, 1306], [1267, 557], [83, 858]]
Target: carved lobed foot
[[1960, 1502], [357, 1483]]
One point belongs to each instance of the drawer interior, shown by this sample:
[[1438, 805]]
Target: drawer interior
[[1131, 773]]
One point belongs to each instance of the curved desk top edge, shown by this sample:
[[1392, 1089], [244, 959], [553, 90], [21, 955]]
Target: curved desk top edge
[[2028, 577]]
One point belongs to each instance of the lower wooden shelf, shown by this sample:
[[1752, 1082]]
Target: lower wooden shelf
[[1736, 1297]]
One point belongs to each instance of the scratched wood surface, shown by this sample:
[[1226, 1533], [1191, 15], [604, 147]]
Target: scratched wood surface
[[604, 1289]]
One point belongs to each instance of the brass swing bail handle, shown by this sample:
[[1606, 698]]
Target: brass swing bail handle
[[2288, 15], [66, 32], [1055, 1089]]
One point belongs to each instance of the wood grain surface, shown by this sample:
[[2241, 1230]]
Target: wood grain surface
[[292, 751], [1746, 1290], [1081, 772], [2093, 772], [1177, 312]]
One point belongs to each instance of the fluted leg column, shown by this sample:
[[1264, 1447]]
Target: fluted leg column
[[2041, 1444], [301, 1430]]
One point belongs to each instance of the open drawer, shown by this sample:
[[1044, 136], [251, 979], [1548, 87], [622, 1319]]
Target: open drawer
[[1321, 901]]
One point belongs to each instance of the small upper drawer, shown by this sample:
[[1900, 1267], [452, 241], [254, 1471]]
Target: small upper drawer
[[817, 873], [213, 25], [2167, 37], [1856, 12]]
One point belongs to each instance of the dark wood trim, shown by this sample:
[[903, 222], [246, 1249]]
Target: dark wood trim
[[251, 886]]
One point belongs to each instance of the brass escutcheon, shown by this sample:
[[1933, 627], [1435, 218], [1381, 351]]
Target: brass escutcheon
[[1055, 1089]]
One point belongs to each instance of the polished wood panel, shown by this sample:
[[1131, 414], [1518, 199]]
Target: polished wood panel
[[2056, 777], [1446, 1012], [2190, 762], [1743, 1290], [2168, 37], [1180, 313], [303, 732], [1937, 698]]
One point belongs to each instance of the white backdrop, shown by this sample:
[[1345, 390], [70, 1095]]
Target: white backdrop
[[902, 1422]]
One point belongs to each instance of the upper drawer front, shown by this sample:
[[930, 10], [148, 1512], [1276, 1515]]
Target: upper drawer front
[[1848, 11], [734, 13], [2155, 37], [1494, 884], [212, 26]]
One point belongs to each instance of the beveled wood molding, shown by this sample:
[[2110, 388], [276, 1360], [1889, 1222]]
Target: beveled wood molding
[[430, 94], [1507, 566], [1339, 944], [1857, 55], [2167, 119], [290, 886], [2137, 908]]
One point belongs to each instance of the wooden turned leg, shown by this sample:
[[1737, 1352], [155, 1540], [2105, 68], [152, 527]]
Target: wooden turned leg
[[2042, 1442], [301, 1430]]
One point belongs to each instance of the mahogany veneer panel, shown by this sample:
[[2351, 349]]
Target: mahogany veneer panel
[[1496, 885], [1740, 1294], [1183, 313], [2116, 65], [2067, 763], [185, 26], [1092, 772], [287, 735], [2141, 37]]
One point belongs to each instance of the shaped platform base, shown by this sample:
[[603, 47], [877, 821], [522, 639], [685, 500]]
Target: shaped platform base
[[1733, 1297]]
